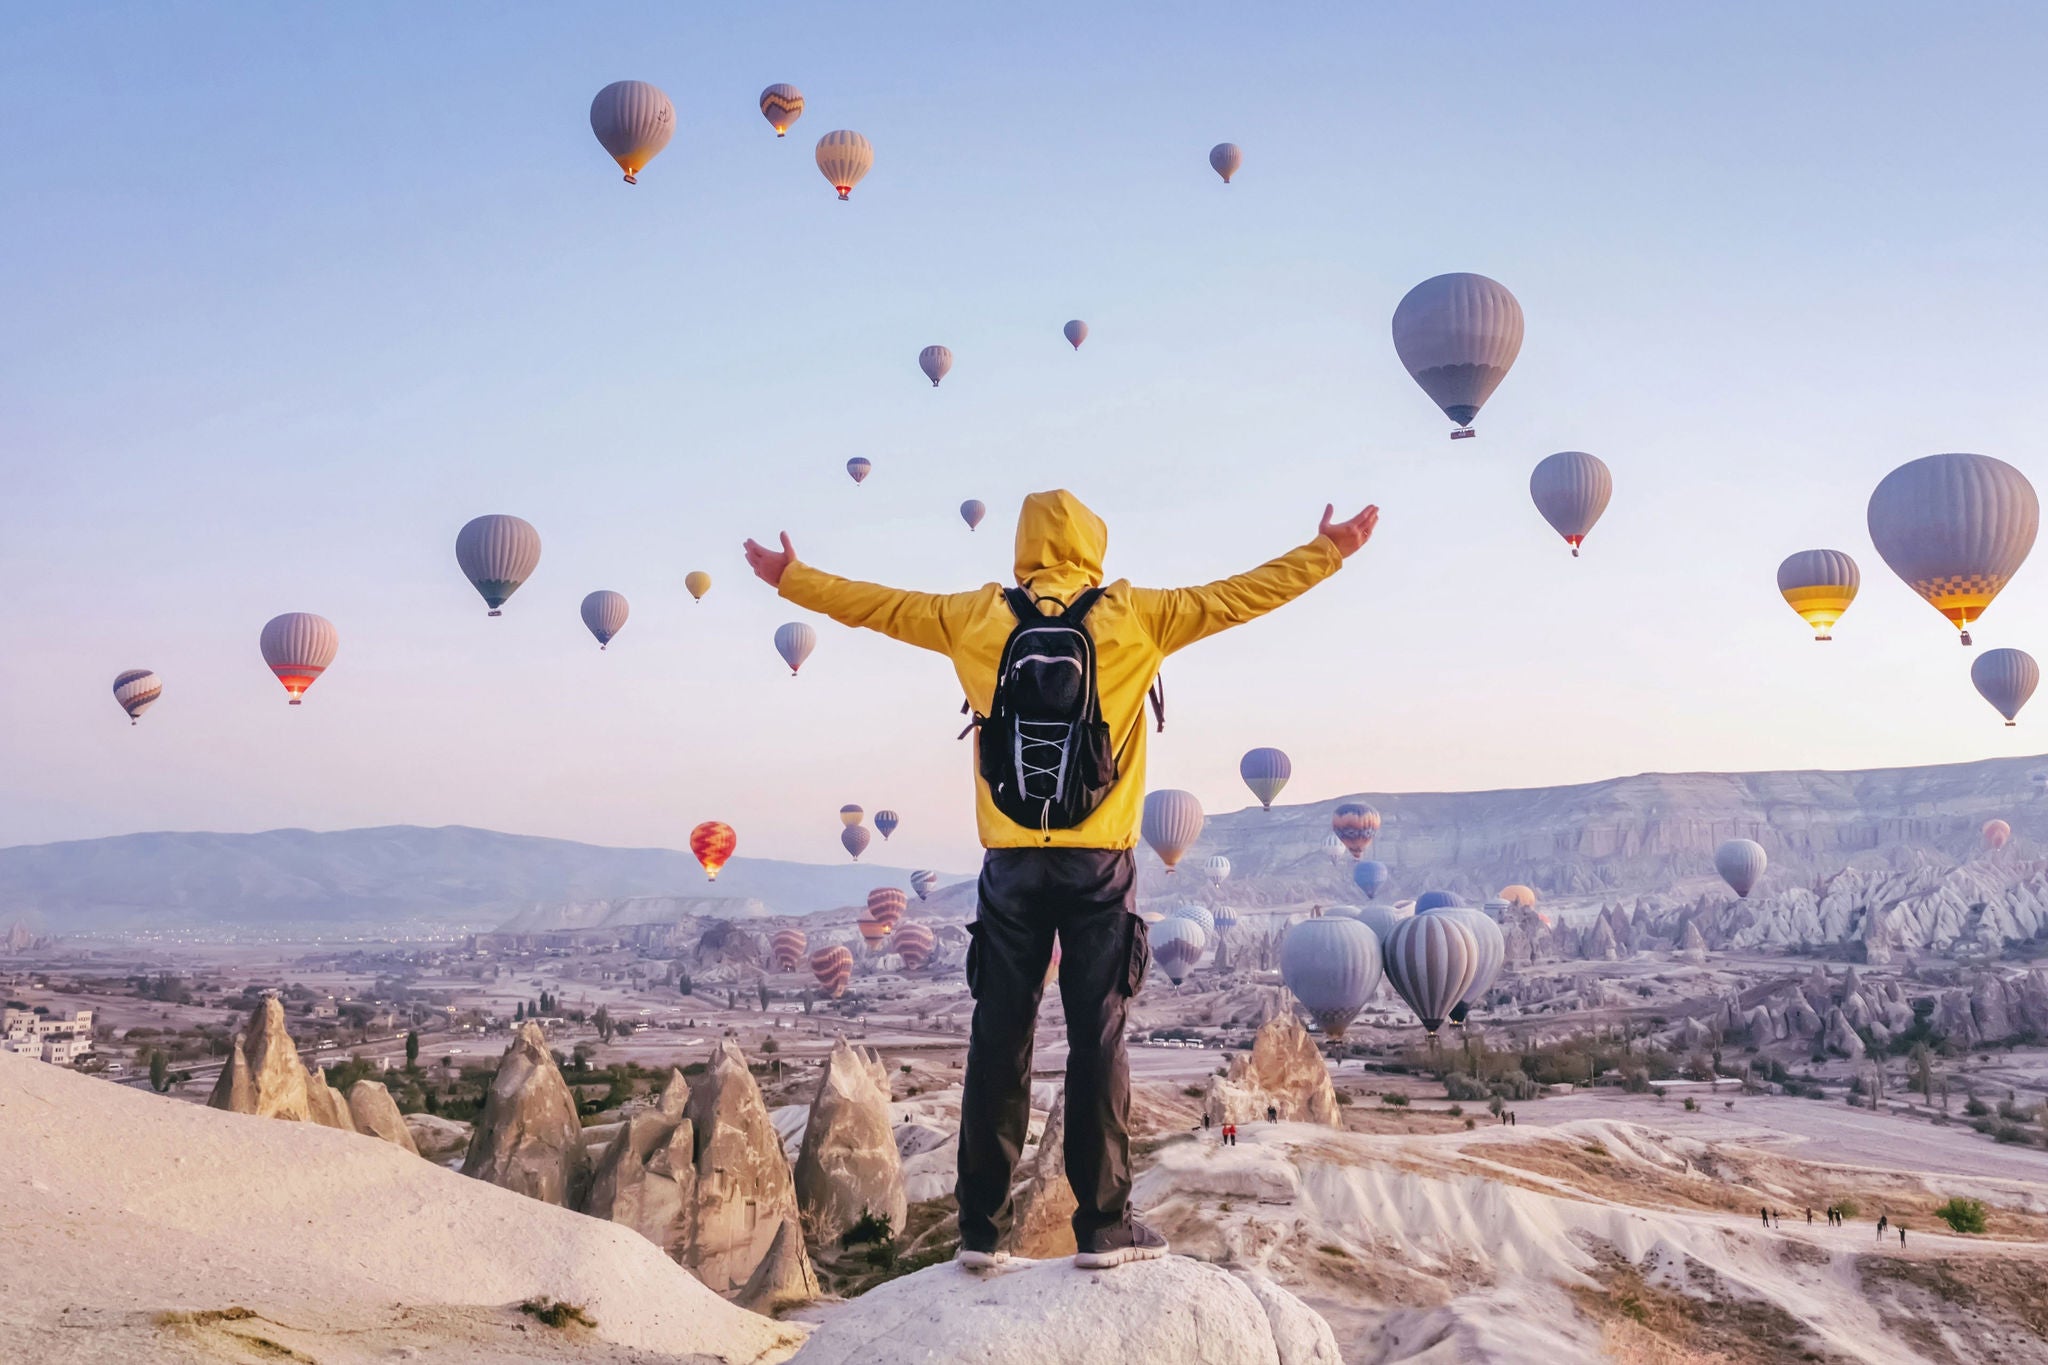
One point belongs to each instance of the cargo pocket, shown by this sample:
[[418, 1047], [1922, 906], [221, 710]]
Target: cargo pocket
[[974, 960], [1138, 955]]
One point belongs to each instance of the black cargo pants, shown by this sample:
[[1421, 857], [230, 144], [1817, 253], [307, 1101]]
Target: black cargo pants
[[1087, 897]]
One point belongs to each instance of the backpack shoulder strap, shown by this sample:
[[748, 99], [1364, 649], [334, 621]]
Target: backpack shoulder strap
[[1083, 604], [1021, 605]]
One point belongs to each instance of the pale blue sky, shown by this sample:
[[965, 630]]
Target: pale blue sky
[[290, 295]]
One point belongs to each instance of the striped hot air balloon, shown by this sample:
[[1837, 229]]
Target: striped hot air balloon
[[855, 840], [786, 948], [633, 121], [1265, 771], [844, 157], [794, 642], [1458, 335], [886, 822], [782, 105], [972, 511], [1177, 946], [697, 583], [496, 554], [936, 362], [913, 942], [299, 646], [1225, 158], [833, 967], [2006, 678], [888, 905], [1997, 834], [1226, 920], [604, 612], [1741, 863], [872, 932], [858, 468], [1171, 824], [1355, 823], [136, 690], [1571, 489], [1430, 961], [1819, 585], [1492, 948], [1955, 528], [1216, 868], [922, 883], [713, 842], [850, 814], [1075, 332], [1331, 965]]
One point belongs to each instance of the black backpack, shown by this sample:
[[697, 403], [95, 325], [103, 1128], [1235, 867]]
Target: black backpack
[[1044, 747]]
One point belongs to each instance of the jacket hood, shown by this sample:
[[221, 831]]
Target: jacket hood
[[1060, 545]]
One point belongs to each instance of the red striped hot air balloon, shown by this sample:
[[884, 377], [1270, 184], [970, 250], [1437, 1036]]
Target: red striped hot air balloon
[[1355, 824], [913, 942], [298, 646], [887, 904], [833, 967], [786, 948], [713, 842], [872, 932]]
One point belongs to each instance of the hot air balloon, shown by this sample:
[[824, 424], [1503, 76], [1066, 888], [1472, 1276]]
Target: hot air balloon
[[633, 121], [1334, 849], [794, 642], [1369, 875], [855, 839], [298, 646], [850, 814], [1741, 863], [913, 942], [605, 613], [786, 948], [886, 822], [1224, 159], [844, 157], [1332, 965], [496, 554], [1198, 913], [1381, 919], [1177, 946], [136, 690], [1571, 489], [972, 511], [1997, 834], [1956, 528], [1172, 823], [1493, 955], [833, 967], [1519, 895], [1216, 868], [782, 105], [1226, 920], [887, 904], [1430, 960], [1433, 900], [1458, 334], [1355, 824], [922, 883], [698, 583], [936, 362], [2005, 678], [713, 842], [1265, 771], [872, 931], [1819, 585], [858, 468], [1075, 332]]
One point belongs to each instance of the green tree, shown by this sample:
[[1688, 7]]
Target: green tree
[[519, 1011], [762, 987], [1964, 1215], [159, 1072], [412, 1049]]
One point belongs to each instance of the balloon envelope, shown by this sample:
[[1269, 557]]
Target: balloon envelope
[[794, 642], [633, 121], [1199, 914], [850, 814], [1518, 894], [972, 511], [1571, 489], [858, 468], [786, 948], [1819, 585], [496, 554], [1332, 965], [2005, 678], [913, 942], [1265, 771], [1955, 528], [1334, 849], [136, 690], [922, 883], [298, 646], [1458, 335], [855, 839], [782, 105], [936, 362], [1171, 824], [872, 931], [1369, 875], [833, 967], [1216, 868], [844, 157], [697, 582], [886, 822], [1433, 900], [1355, 824], [1177, 945], [1225, 158], [1381, 919], [1493, 955], [1997, 834], [604, 612], [1430, 961], [887, 904], [713, 842], [1226, 920], [1741, 863], [1075, 332]]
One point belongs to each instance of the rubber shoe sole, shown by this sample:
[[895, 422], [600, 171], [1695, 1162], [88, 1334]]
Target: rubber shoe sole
[[990, 1260], [1105, 1260]]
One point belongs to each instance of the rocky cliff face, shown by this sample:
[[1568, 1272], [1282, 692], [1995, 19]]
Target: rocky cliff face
[[264, 1075], [744, 1193], [1283, 1072], [848, 1166], [528, 1138]]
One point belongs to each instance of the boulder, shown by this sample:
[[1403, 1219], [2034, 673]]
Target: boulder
[[1841, 1038], [1988, 1008], [744, 1192], [785, 1277], [1042, 1206], [528, 1138], [437, 1139], [376, 1113], [849, 1166], [1284, 1071], [1172, 1311], [325, 1105]]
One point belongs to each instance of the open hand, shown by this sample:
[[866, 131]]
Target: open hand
[[768, 565], [1348, 536]]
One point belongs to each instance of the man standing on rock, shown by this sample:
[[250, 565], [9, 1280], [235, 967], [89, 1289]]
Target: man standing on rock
[[1057, 801]]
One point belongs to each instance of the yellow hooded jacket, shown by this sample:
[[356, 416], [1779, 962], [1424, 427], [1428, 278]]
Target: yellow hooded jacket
[[1060, 546]]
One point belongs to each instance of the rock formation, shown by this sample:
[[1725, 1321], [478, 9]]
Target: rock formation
[[848, 1166], [647, 1179], [439, 1140], [528, 1138], [376, 1113], [785, 1277], [1691, 946], [1284, 1071], [744, 1191], [234, 1091], [1042, 1206], [272, 1079], [324, 1104]]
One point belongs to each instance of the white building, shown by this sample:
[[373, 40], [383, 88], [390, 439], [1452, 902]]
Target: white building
[[61, 1039]]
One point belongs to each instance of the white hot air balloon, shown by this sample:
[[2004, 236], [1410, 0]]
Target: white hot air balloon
[[858, 469], [782, 106], [1458, 335], [299, 646], [936, 362], [633, 121], [844, 157], [1331, 964], [136, 690], [1956, 528], [794, 642], [972, 511], [1493, 955], [496, 554], [1075, 332], [604, 612], [1335, 850], [1177, 946], [1741, 863], [1430, 961], [1571, 489], [2006, 678], [1198, 913], [1819, 585], [1216, 868], [1171, 824], [1224, 159]]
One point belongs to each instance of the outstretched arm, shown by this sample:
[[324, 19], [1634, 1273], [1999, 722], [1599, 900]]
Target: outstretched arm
[[1177, 617], [924, 619]]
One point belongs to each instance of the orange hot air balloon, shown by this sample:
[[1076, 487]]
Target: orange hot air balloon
[[913, 942], [872, 932], [833, 967], [1997, 833], [887, 904], [713, 843], [787, 948]]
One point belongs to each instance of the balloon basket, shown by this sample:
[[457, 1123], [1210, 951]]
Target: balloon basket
[[632, 180], [1463, 434], [494, 612], [293, 702], [1966, 639]]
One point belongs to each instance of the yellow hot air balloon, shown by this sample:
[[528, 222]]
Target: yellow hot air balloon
[[698, 582], [1819, 585], [1519, 895]]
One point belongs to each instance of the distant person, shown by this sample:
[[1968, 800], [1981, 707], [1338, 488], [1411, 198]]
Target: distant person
[[1902, 1234], [1809, 1218], [1059, 785], [1230, 1135], [1205, 1120], [1765, 1214], [1883, 1220], [1272, 1114]]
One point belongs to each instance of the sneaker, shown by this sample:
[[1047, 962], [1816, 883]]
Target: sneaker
[[982, 1260], [1129, 1240]]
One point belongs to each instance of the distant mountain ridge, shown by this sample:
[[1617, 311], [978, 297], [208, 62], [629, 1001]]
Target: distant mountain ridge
[[392, 874]]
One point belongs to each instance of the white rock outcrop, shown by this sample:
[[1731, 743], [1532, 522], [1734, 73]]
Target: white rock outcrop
[[849, 1166], [744, 1192], [376, 1113], [271, 1080], [528, 1138], [1283, 1072]]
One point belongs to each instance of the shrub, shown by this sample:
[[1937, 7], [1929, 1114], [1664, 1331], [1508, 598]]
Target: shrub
[[1691, 1105], [870, 1228], [1398, 1101], [1459, 1086], [769, 1045], [1470, 1123], [556, 1313], [1635, 1080], [1848, 1208], [1514, 1085], [1194, 1092], [1964, 1215], [1456, 1111]]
